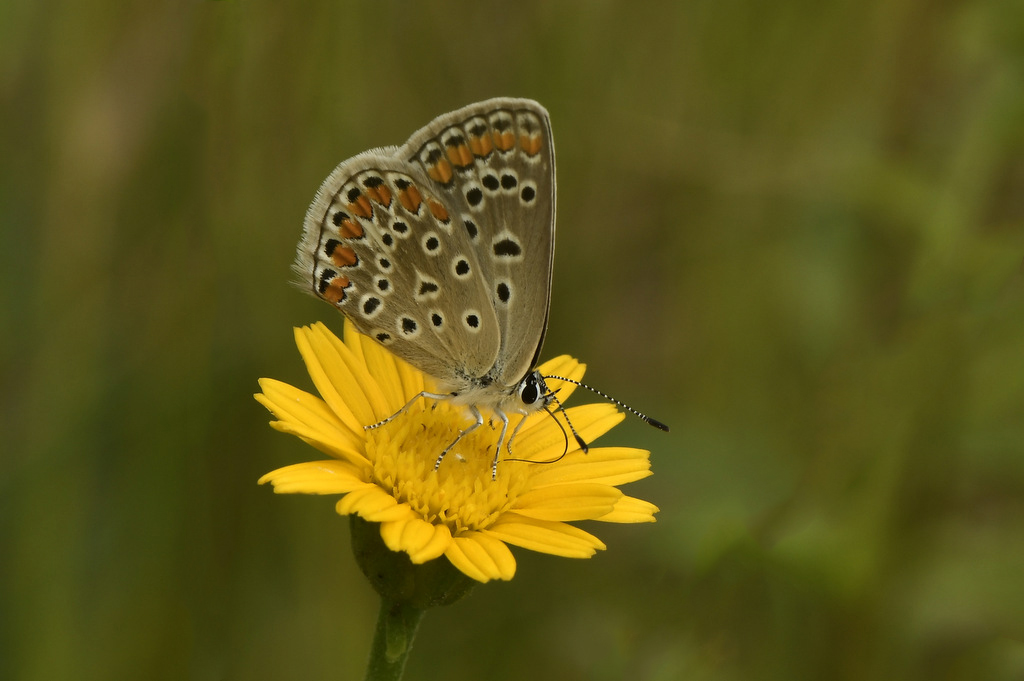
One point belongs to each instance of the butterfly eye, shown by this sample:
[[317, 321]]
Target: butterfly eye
[[529, 389]]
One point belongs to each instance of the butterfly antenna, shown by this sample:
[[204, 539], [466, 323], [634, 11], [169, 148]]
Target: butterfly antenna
[[643, 417], [580, 441], [565, 450]]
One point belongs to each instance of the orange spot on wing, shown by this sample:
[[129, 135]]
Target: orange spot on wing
[[440, 172], [438, 210], [460, 155], [381, 195], [530, 144], [350, 229], [504, 140], [343, 256], [335, 291], [410, 198], [362, 207], [481, 146]]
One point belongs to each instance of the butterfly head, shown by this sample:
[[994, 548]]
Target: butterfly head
[[533, 392], [535, 395]]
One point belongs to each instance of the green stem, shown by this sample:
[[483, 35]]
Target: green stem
[[397, 623]]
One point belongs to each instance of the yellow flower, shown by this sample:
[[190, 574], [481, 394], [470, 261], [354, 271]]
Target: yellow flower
[[387, 474]]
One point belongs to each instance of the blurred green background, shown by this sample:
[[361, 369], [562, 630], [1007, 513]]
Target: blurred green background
[[792, 230]]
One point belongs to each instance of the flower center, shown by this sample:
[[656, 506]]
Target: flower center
[[460, 493]]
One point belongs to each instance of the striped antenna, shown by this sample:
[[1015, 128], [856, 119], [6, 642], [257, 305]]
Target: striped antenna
[[643, 417]]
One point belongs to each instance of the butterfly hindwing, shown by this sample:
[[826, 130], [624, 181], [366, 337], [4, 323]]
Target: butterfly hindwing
[[379, 245]]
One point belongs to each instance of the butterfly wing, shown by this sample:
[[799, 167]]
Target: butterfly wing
[[380, 245], [442, 249], [493, 165]]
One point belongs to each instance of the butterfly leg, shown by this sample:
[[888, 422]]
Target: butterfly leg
[[424, 394], [515, 431], [462, 433], [501, 438]]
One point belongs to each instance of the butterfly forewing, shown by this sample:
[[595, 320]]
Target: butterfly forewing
[[493, 162], [441, 249]]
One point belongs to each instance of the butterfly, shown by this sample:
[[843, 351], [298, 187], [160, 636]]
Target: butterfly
[[442, 251]]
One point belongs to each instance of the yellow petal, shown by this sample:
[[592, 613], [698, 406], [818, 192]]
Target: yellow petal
[[420, 539], [542, 439], [607, 465], [338, 391], [315, 477], [338, 375], [314, 357], [574, 501], [546, 536], [289, 404], [631, 510], [380, 362], [404, 382], [368, 380], [354, 340], [565, 366], [407, 535], [412, 380], [373, 504], [481, 557], [381, 365], [333, 441], [434, 548], [330, 448], [461, 561], [391, 532], [594, 420]]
